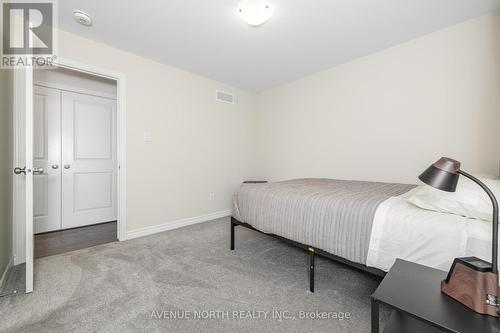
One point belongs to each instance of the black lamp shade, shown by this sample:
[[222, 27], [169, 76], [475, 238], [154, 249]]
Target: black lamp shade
[[442, 175]]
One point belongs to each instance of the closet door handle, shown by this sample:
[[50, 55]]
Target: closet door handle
[[55, 166], [67, 166]]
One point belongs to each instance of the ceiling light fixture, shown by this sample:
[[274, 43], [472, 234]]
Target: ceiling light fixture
[[82, 18], [255, 12]]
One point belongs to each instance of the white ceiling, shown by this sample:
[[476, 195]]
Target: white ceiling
[[303, 36]]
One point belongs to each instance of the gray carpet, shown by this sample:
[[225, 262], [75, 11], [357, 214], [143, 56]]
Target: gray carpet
[[126, 286]]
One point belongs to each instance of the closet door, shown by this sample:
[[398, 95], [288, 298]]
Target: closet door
[[46, 159], [89, 160]]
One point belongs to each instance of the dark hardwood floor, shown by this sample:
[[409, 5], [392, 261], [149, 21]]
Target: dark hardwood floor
[[63, 241]]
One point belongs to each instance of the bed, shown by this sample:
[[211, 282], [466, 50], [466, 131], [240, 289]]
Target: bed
[[366, 225]]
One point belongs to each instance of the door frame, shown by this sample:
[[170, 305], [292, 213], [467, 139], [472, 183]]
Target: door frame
[[19, 230]]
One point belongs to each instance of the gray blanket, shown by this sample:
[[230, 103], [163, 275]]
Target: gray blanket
[[333, 215]]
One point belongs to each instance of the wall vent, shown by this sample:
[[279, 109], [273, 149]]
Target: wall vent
[[224, 97]]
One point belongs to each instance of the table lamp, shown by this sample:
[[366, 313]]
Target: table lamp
[[471, 281]]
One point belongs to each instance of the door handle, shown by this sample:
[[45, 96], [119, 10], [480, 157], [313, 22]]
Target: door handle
[[37, 171], [55, 166], [19, 171], [67, 166]]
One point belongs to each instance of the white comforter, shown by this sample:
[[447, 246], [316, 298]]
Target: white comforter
[[402, 230]]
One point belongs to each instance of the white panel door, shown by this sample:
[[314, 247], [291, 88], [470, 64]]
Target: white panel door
[[46, 157], [23, 161], [89, 160]]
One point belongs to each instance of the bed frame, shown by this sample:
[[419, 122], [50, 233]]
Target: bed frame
[[312, 253]]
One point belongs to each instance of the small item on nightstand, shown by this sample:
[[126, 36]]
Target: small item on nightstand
[[471, 281]]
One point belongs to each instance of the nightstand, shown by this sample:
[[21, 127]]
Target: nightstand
[[413, 292]]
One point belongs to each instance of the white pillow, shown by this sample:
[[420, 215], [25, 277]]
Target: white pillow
[[469, 200]]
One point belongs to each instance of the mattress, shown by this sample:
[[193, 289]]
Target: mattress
[[333, 215], [402, 230]]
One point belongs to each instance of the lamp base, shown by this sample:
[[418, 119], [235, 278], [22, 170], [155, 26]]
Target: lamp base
[[472, 283]]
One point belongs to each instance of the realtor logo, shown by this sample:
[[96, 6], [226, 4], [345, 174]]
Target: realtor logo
[[29, 31]]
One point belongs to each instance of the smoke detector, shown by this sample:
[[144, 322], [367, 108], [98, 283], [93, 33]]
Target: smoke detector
[[255, 12], [82, 18]]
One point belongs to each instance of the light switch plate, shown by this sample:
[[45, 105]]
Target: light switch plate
[[148, 136]]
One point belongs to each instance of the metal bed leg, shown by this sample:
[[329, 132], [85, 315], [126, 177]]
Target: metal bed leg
[[311, 269], [375, 315], [232, 234]]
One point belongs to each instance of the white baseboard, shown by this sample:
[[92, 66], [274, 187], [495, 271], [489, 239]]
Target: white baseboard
[[4, 274], [176, 224]]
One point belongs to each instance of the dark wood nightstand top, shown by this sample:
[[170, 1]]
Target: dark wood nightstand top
[[415, 290]]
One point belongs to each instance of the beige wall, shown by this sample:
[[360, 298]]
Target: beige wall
[[388, 115], [199, 146], [6, 151]]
